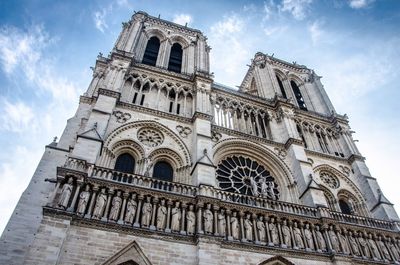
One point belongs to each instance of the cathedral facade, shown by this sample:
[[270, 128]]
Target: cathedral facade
[[161, 165]]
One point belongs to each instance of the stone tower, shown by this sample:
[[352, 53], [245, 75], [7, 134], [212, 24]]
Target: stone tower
[[160, 165]]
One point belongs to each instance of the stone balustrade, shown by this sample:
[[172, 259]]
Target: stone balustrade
[[137, 202]]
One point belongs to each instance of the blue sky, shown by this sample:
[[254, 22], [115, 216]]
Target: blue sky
[[47, 48]]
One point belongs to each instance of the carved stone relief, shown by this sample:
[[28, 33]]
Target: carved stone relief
[[122, 117], [150, 137], [183, 131], [330, 180]]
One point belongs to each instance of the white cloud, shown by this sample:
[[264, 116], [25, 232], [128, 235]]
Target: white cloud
[[315, 31], [16, 117], [357, 4], [229, 24], [182, 19], [298, 8], [99, 18]]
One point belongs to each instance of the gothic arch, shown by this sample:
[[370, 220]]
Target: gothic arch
[[130, 253], [277, 260], [127, 146], [263, 155], [115, 134], [168, 155], [179, 39], [292, 77], [152, 32]]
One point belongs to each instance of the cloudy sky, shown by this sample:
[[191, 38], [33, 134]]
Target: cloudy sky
[[47, 48]]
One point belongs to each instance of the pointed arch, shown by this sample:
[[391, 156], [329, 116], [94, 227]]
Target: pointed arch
[[151, 52], [277, 260], [130, 254]]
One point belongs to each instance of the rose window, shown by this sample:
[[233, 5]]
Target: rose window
[[150, 137], [329, 180], [243, 175]]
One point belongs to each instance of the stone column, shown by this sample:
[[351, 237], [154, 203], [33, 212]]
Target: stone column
[[138, 211], [316, 243], [228, 218], [243, 238], [215, 209], [153, 217], [168, 227], [183, 218], [278, 223], [199, 219], [71, 208], [266, 220], [122, 213], [324, 231], [105, 214], [92, 200]]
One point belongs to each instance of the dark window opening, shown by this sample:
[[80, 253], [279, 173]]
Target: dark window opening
[[175, 58], [301, 135], [345, 207], [163, 171], [142, 101], [151, 52], [171, 104], [178, 107], [134, 98], [299, 97], [263, 130], [281, 87], [125, 163]]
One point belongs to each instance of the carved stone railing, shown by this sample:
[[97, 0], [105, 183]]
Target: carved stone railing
[[132, 201], [142, 181], [361, 220]]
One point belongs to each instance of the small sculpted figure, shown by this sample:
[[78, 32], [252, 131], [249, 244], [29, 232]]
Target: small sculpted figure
[[83, 200], [235, 226], [146, 212], [176, 218], [161, 215], [191, 220], [248, 228], [261, 229], [100, 204], [65, 194], [131, 210], [208, 220], [221, 223]]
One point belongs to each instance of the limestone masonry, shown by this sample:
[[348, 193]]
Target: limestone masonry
[[160, 165]]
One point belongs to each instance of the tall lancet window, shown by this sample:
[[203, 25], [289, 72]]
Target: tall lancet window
[[175, 58], [125, 163], [299, 97], [151, 52], [281, 87]]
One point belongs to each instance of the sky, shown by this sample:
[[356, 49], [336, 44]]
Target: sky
[[47, 48]]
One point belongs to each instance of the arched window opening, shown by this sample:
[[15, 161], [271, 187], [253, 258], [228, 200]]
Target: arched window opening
[[281, 87], [163, 171], [137, 85], [299, 97], [129, 262], [151, 52], [263, 129], [175, 58], [301, 135], [345, 207], [125, 163]]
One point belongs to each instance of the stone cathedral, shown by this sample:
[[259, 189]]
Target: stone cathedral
[[161, 165]]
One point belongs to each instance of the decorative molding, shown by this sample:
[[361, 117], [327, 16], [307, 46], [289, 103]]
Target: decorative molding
[[122, 117], [183, 131]]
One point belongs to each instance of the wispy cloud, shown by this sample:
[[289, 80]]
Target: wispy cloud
[[316, 31], [182, 19], [99, 18], [298, 8], [358, 4], [17, 117]]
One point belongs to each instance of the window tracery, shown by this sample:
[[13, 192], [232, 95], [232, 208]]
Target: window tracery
[[330, 180], [150, 137], [246, 176]]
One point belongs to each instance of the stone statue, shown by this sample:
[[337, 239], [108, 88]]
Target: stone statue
[[100, 204], [176, 218], [221, 223], [191, 220], [343, 243], [263, 187], [353, 245], [254, 187], [261, 229], [274, 232], [364, 247], [235, 226], [334, 239], [131, 210], [146, 212], [286, 234], [308, 237], [393, 249], [248, 228], [161, 215], [116, 205], [83, 200], [373, 248], [271, 190], [385, 252], [208, 220], [320, 239], [65, 194], [298, 237]]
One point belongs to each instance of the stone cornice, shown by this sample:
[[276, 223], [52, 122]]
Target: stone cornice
[[328, 156], [156, 69], [109, 93]]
